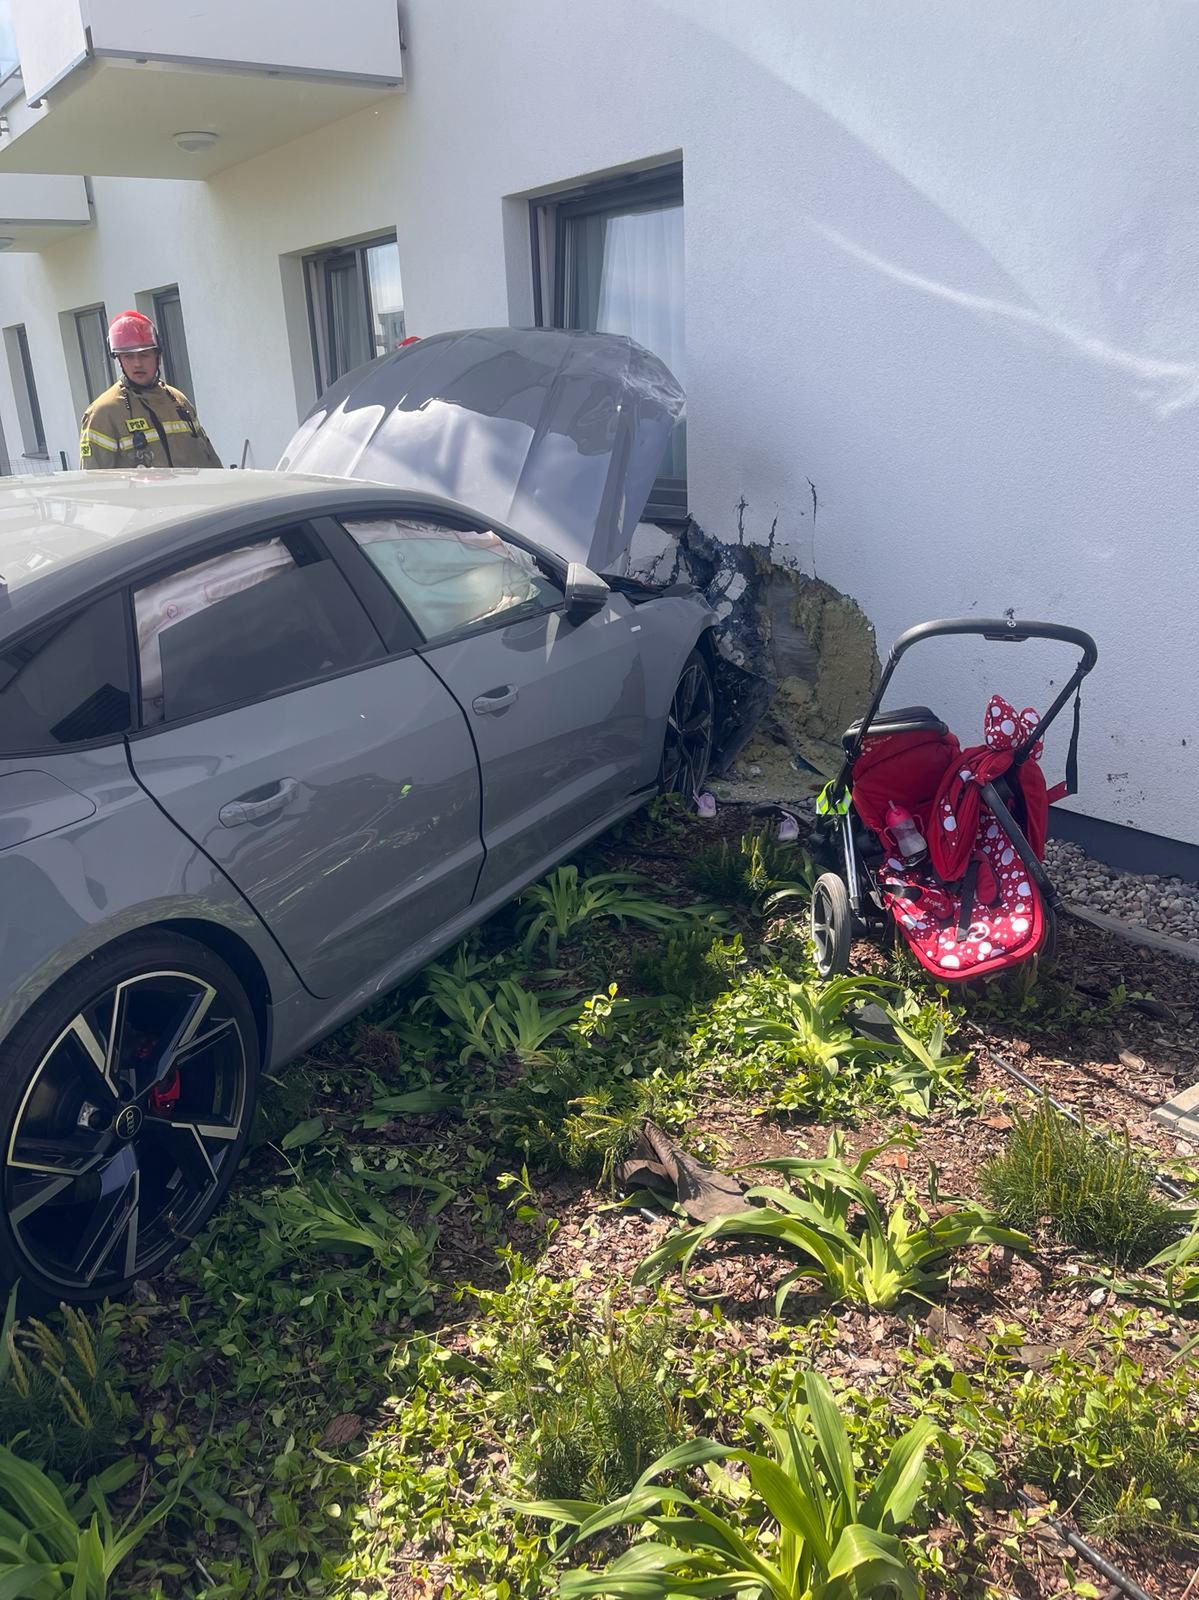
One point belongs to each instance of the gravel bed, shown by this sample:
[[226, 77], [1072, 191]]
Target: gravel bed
[[1167, 904]]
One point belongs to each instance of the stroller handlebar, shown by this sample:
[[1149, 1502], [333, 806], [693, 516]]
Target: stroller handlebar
[[1001, 630]]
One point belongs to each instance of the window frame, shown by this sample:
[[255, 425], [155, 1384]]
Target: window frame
[[63, 618], [40, 452], [97, 310], [168, 296], [304, 525], [318, 291], [550, 216]]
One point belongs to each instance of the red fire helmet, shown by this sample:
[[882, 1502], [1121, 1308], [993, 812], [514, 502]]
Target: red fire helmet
[[130, 333]]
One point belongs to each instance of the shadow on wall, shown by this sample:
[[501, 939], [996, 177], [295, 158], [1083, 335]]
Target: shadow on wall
[[967, 310]]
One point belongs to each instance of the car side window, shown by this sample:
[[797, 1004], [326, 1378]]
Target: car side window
[[451, 578], [246, 624], [67, 684]]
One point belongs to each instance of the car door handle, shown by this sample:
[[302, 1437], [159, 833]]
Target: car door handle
[[238, 812], [495, 700]]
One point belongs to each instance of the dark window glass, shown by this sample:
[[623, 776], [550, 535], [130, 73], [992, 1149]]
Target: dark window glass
[[67, 684], [37, 445], [91, 326], [355, 306], [610, 260], [168, 318], [247, 624], [449, 579]]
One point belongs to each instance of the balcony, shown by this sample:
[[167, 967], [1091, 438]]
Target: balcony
[[185, 89], [36, 211]]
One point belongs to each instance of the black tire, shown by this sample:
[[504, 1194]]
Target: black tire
[[831, 924], [690, 729], [125, 1102]]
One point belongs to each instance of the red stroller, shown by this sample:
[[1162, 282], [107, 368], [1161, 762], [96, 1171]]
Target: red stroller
[[946, 844]]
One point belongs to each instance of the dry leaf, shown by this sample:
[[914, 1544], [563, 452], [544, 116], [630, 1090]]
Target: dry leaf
[[342, 1429]]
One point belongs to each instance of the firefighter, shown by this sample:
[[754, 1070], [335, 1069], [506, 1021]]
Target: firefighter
[[141, 421]]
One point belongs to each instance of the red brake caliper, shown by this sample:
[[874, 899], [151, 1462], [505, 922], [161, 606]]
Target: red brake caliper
[[165, 1096]]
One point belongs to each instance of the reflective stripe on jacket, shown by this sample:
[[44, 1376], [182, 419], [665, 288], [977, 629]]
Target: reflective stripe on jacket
[[154, 427]]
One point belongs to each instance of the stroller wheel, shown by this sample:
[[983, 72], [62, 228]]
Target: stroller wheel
[[830, 925]]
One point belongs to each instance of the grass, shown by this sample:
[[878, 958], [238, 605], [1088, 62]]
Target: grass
[[415, 1308], [1095, 1196]]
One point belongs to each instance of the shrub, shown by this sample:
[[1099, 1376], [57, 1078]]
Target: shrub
[[60, 1393], [1094, 1196], [742, 873], [1121, 1448], [826, 1537], [604, 1407], [693, 966]]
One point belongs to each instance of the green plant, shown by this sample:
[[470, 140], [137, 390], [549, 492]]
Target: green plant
[[1096, 1196], [602, 1406], [55, 1549], [745, 872], [895, 1254], [1178, 1265], [826, 1538], [310, 1215], [562, 904], [692, 966], [60, 1390], [1121, 1448], [509, 1022]]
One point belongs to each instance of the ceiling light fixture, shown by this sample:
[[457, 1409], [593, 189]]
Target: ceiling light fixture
[[196, 141]]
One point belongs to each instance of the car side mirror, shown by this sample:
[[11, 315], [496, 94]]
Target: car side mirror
[[586, 592]]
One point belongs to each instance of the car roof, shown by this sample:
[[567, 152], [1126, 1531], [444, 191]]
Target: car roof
[[65, 536]]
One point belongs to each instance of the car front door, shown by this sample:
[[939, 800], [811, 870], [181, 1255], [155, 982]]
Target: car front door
[[333, 779], [557, 708]]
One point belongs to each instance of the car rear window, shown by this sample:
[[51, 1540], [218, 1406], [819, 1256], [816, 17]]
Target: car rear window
[[246, 624], [67, 684]]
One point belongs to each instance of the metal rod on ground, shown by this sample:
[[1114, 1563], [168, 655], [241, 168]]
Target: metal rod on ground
[[1174, 1190], [1087, 1552]]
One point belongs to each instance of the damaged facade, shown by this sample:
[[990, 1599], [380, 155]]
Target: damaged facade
[[928, 277]]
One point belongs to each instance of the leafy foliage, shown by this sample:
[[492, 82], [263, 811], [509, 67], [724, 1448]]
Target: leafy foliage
[[602, 1406], [52, 1548], [746, 872], [1094, 1196], [1122, 1448], [562, 904], [827, 1538], [61, 1397], [894, 1254], [692, 966]]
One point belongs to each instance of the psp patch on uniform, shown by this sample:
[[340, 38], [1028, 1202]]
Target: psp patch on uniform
[[139, 424], [85, 450]]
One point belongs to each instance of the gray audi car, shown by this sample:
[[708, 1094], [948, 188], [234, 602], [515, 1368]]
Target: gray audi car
[[269, 741]]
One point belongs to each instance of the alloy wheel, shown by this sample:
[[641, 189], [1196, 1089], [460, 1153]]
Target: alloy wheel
[[689, 731], [121, 1140]]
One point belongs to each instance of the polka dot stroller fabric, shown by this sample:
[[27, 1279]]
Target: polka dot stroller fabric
[[1007, 921]]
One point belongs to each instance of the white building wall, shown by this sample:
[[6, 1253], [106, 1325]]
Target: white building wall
[[942, 275]]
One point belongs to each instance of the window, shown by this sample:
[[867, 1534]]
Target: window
[[91, 329], [453, 578], [168, 319], [246, 624], [68, 684], [609, 258], [29, 411], [355, 306]]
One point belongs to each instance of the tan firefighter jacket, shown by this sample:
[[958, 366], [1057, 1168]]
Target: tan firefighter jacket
[[151, 427]]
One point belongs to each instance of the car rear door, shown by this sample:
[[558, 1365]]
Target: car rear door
[[557, 708], [332, 778]]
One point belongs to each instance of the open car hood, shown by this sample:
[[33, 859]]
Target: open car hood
[[559, 434]]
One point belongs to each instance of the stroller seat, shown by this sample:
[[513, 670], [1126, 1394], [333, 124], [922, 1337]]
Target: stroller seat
[[905, 719]]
